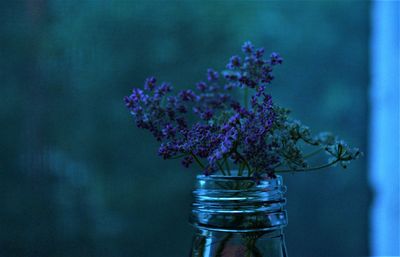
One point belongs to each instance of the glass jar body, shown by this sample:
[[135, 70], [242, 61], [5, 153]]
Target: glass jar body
[[238, 216], [236, 244]]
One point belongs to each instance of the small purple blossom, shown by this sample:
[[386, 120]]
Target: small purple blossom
[[247, 47], [260, 90], [164, 88], [150, 83], [234, 62], [137, 95], [187, 95], [212, 75], [207, 115], [169, 131], [247, 82], [129, 102], [167, 150], [232, 77], [201, 86], [235, 119], [275, 59], [187, 161], [259, 53]]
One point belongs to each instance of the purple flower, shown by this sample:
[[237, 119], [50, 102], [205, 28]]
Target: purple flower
[[202, 86], [266, 75], [229, 140], [167, 150], [247, 47], [259, 53], [207, 115], [212, 75], [172, 100], [187, 161], [137, 95], [231, 76], [187, 95], [164, 88], [260, 90], [150, 83], [267, 100], [214, 158], [246, 81], [235, 119], [129, 102], [275, 59], [234, 62], [169, 131]]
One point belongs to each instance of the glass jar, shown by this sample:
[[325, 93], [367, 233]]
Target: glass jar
[[238, 216]]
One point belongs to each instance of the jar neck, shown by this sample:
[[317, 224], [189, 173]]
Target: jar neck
[[238, 204]]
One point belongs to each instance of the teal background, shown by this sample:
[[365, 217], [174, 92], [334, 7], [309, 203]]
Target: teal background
[[77, 178]]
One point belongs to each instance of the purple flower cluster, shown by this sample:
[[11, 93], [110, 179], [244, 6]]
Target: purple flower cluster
[[208, 127], [225, 132], [253, 70]]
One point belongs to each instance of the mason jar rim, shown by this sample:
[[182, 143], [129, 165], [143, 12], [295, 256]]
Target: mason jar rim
[[227, 177]]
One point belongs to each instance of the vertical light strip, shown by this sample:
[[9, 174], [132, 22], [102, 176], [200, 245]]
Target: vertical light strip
[[384, 154]]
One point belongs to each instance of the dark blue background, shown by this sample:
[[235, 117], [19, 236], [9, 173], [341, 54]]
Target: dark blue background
[[78, 179]]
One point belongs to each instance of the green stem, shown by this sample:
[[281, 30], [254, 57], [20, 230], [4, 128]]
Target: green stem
[[221, 246], [245, 162], [228, 169], [163, 102], [221, 168], [309, 169], [198, 161], [178, 156], [241, 166], [198, 245], [245, 97], [308, 141], [252, 249]]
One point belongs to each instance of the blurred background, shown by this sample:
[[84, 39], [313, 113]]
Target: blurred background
[[77, 178]]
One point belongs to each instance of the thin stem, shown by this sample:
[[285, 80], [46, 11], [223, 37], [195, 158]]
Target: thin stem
[[248, 168], [198, 161], [252, 249], [221, 168], [309, 169], [277, 165], [245, 97], [221, 246], [178, 156], [198, 247], [313, 153], [163, 102], [241, 166], [245, 162], [228, 169], [308, 141]]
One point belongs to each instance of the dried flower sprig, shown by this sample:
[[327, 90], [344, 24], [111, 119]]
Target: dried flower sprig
[[207, 126]]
